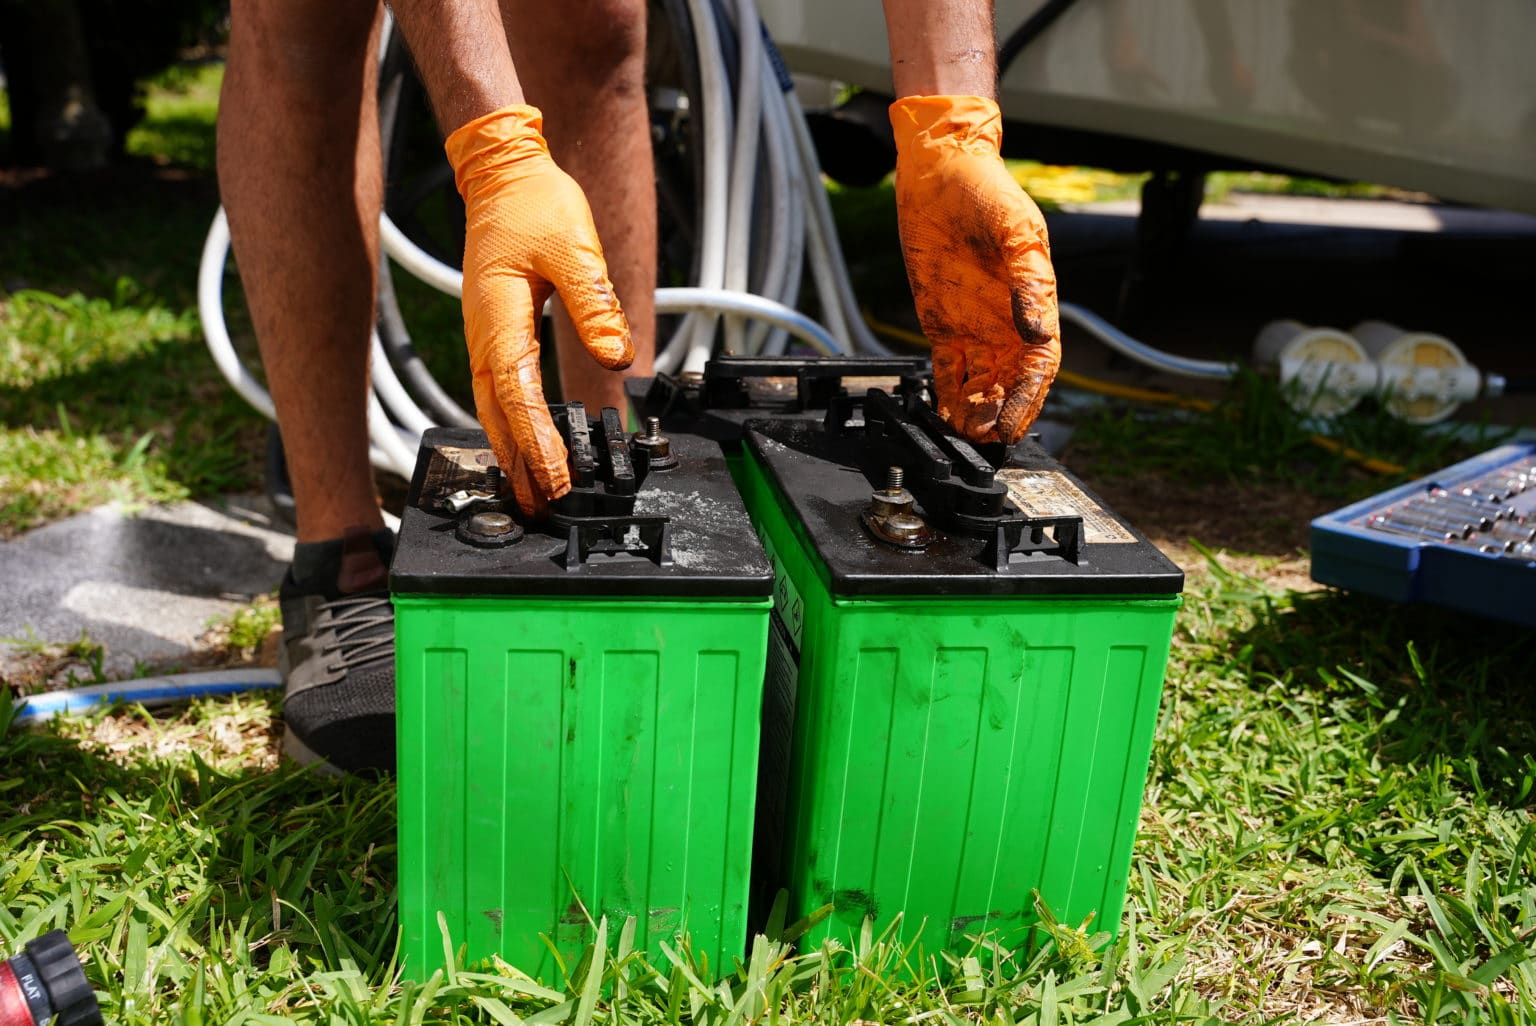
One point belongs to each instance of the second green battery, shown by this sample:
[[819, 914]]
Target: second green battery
[[964, 737]]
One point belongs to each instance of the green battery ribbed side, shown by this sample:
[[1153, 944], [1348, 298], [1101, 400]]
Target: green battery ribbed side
[[952, 756], [566, 759]]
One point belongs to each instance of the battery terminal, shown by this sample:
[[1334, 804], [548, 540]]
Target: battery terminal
[[891, 517], [465, 498], [489, 530], [656, 444]]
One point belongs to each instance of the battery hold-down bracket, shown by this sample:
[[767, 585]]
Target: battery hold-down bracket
[[596, 517], [734, 389], [955, 487], [608, 468]]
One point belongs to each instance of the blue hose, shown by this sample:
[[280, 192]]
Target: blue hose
[[146, 691]]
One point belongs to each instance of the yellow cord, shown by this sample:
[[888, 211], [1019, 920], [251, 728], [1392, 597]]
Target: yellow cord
[[1142, 395], [1357, 457], [893, 331]]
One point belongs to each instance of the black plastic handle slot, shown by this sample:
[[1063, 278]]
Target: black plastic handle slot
[[614, 538], [1034, 536]]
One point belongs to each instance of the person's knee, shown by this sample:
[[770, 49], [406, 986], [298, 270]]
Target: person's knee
[[323, 49]]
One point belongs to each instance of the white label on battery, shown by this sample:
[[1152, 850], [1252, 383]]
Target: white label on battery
[[1049, 493], [787, 604], [476, 460]]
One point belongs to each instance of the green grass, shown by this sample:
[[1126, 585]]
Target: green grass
[[1251, 438], [180, 105], [106, 390], [1344, 811], [44, 663], [241, 632], [1338, 823]]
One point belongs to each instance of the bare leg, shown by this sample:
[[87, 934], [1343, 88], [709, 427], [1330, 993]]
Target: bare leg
[[299, 169], [585, 69]]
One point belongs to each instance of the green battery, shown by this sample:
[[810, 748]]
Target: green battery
[[971, 654], [578, 705]]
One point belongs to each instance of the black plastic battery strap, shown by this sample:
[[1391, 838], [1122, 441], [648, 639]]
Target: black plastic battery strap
[[817, 381]]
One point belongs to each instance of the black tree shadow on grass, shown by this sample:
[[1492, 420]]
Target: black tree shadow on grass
[[81, 233], [1456, 686], [165, 413]]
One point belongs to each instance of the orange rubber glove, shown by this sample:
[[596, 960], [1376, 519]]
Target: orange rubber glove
[[979, 264], [528, 232]]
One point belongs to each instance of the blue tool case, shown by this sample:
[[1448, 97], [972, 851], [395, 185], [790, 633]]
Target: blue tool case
[[1463, 537]]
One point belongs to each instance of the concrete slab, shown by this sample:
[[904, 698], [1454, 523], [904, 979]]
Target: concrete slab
[[142, 584]]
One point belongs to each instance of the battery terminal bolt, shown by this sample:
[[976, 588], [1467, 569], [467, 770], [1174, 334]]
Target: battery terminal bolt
[[656, 444], [891, 517], [489, 530]]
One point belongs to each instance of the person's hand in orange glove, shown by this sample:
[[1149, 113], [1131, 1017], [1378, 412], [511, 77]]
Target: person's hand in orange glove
[[979, 264], [528, 232]]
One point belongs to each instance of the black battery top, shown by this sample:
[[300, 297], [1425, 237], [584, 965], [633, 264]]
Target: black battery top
[[898, 504], [646, 516]]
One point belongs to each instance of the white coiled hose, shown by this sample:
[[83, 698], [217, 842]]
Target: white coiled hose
[[764, 116]]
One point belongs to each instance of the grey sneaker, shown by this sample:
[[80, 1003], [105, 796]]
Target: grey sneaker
[[338, 656]]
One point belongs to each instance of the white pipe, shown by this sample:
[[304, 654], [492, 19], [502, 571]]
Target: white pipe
[[821, 271], [767, 116], [798, 324], [391, 452], [824, 235], [794, 264], [396, 400], [387, 452], [714, 234], [716, 138], [418, 261], [795, 261], [210, 307], [1139, 351], [670, 356], [399, 456]]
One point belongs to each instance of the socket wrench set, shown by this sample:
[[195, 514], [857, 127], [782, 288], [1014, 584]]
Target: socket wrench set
[[1463, 537]]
